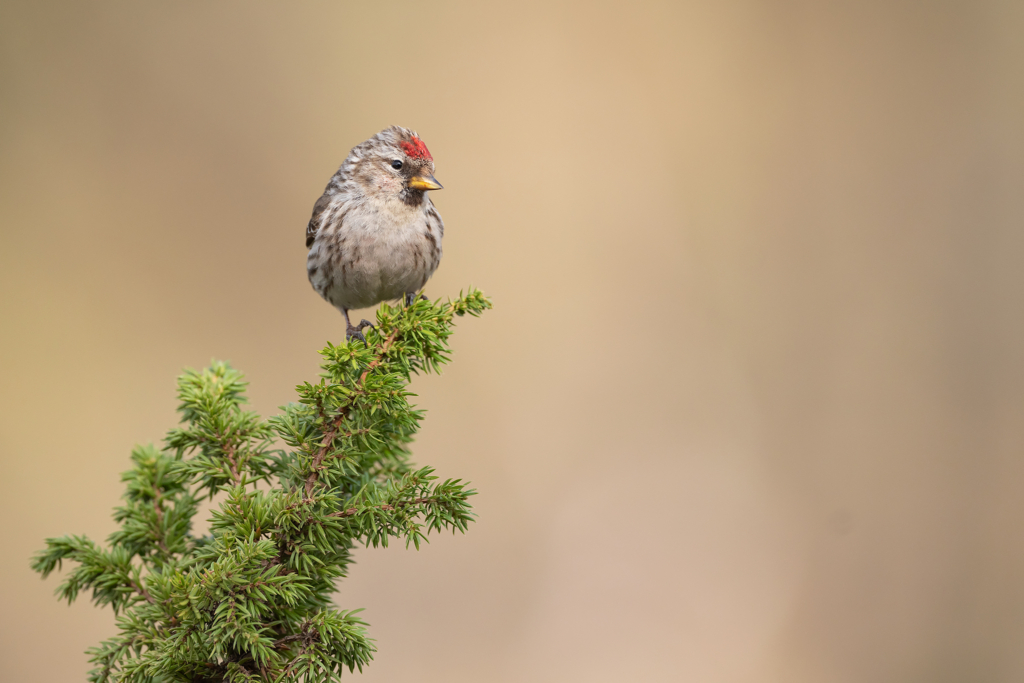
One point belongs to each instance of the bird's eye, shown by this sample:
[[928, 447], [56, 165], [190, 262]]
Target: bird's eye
[[396, 164]]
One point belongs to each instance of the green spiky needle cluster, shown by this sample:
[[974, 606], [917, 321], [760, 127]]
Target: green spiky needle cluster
[[251, 601]]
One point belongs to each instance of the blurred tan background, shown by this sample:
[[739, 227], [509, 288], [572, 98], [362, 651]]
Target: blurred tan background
[[748, 408]]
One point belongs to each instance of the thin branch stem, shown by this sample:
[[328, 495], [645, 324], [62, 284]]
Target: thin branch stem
[[158, 507], [229, 453], [350, 512], [335, 425], [287, 639], [384, 348], [141, 591]]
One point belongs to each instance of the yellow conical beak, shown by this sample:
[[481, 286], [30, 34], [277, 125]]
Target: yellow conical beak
[[424, 182]]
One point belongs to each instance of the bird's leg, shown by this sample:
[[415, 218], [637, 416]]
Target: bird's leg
[[355, 331], [410, 297]]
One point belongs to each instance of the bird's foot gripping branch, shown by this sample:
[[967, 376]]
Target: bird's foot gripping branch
[[251, 601]]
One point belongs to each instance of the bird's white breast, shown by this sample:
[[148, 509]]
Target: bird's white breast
[[378, 252]]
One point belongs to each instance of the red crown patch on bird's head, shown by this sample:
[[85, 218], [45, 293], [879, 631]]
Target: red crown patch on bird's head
[[416, 149]]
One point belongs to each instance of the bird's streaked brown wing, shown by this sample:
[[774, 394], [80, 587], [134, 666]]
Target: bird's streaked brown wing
[[314, 222]]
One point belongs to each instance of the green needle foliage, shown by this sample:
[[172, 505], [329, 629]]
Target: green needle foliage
[[251, 601]]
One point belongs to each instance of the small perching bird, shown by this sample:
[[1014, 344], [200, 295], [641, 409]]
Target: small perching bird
[[375, 235]]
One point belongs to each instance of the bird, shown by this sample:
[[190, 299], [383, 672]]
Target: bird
[[375, 235]]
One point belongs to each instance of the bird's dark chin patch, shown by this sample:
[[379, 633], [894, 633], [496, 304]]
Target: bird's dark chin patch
[[412, 197]]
